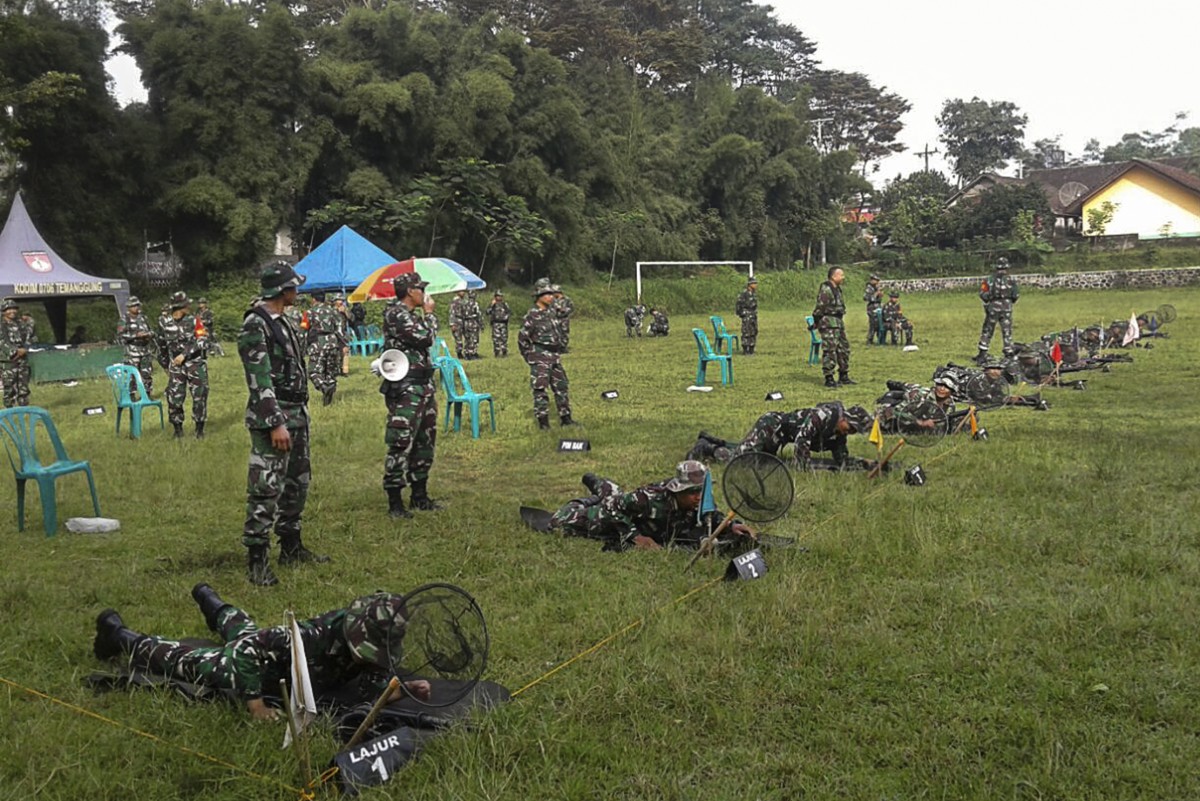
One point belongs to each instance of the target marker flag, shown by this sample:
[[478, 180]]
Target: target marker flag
[[1133, 333], [303, 708]]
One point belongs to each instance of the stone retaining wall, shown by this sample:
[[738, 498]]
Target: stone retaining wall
[[1113, 279]]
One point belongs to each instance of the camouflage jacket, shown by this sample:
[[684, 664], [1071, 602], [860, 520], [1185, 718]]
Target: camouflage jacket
[[455, 314], [499, 312], [178, 337], [13, 336], [982, 391], [649, 511], [469, 313], [563, 308], [747, 305], [135, 334], [816, 430], [998, 293], [830, 306], [919, 403], [873, 297], [326, 327], [273, 358], [539, 333], [414, 334], [892, 312]]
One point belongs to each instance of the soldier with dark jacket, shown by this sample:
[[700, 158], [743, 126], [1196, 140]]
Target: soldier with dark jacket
[[541, 345], [280, 469], [183, 345], [360, 643], [999, 294], [873, 297], [747, 310], [138, 340], [827, 318], [648, 518], [15, 340], [411, 433], [821, 428], [499, 314]]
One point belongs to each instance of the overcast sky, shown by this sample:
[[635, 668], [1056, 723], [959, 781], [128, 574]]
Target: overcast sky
[[1076, 69]]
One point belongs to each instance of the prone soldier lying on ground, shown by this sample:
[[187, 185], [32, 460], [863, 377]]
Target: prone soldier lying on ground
[[821, 428], [351, 644], [985, 388], [907, 408]]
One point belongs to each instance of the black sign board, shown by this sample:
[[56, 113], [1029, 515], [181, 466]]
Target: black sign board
[[574, 445], [610, 394], [747, 566], [93, 410], [376, 761]]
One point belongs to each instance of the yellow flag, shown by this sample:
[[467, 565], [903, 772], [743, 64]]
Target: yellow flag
[[974, 423], [876, 436]]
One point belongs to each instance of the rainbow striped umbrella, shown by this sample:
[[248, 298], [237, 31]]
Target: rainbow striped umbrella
[[443, 275]]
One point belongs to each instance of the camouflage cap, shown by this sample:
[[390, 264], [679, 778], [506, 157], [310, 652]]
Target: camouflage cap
[[9, 303], [1002, 263], [201, 301], [276, 277], [860, 419], [541, 283], [993, 364], [180, 300], [133, 301], [946, 381], [338, 296], [873, 277], [498, 294], [688, 475], [544, 289], [751, 280], [471, 293], [374, 627], [404, 282], [893, 294]]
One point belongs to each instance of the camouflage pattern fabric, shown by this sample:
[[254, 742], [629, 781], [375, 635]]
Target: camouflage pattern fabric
[[873, 297], [178, 338], [660, 326], [807, 430], [998, 294], [747, 310], [563, 309], [411, 432], [276, 487], [895, 323], [326, 338], [634, 316], [498, 316], [135, 335], [616, 518], [827, 316], [14, 369], [540, 343], [471, 319], [905, 408], [456, 326]]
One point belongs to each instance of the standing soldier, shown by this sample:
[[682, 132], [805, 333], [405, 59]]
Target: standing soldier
[[999, 295], [456, 322], [499, 314], [412, 408], [472, 325], [540, 344], [747, 309], [324, 348], [183, 344], [827, 317], [633, 320], [205, 315], [563, 309], [135, 334], [272, 354], [339, 306], [873, 297], [894, 321], [15, 340]]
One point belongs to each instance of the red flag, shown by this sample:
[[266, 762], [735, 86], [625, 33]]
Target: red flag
[[199, 329], [1056, 353]]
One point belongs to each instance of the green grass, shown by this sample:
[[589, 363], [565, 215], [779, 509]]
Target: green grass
[[1022, 627]]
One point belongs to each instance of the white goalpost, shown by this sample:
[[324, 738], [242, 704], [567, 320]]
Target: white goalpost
[[749, 265]]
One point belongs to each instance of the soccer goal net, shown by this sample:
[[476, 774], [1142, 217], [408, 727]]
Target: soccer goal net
[[686, 268]]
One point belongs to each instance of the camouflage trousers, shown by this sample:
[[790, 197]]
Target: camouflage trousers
[[633, 327], [564, 326], [989, 327], [835, 350], [145, 366], [470, 336], [15, 375], [221, 667], [411, 434], [457, 333], [500, 339], [324, 366], [546, 374], [763, 437], [276, 486], [586, 517], [872, 325], [896, 328], [191, 376], [749, 334]]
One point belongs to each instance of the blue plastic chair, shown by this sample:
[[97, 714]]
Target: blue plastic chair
[[814, 348], [20, 424], [459, 391], [374, 339], [121, 376], [722, 337], [707, 355]]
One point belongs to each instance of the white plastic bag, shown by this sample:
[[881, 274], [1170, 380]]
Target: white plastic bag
[[93, 525]]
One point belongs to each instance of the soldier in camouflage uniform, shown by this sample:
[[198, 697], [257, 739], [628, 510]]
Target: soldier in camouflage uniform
[[540, 344], [563, 309], [648, 518], [873, 297], [15, 340], [827, 317], [135, 335], [909, 407], [412, 407], [277, 418], [472, 325], [747, 310], [660, 326], [985, 388], [456, 321], [821, 428], [205, 315], [999, 294], [894, 321], [326, 338], [498, 316], [634, 316], [360, 643], [183, 345]]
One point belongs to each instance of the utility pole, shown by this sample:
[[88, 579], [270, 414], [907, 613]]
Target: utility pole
[[820, 121], [927, 153]]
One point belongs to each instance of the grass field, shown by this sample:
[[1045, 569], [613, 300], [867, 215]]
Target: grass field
[[1023, 627]]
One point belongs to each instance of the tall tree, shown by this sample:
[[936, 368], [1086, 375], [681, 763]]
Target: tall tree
[[857, 115], [980, 135]]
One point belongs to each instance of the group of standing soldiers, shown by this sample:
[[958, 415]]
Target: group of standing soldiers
[[466, 324]]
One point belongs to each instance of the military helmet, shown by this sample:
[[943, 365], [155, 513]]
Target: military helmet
[[1002, 263], [893, 294], [403, 282], [860, 419], [374, 627], [9, 303], [873, 277], [751, 280], [541, 282], [946, 381], [689, 474], [179, 300], [276, 277], [338, 296], [133, 301]]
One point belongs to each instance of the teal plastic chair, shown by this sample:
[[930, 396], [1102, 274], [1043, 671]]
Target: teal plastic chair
[[439, 351], [814, 347], [374, 339], [708, 355], [359, 345], [459, 391], [20, 425], [882, 333], [726, 342], [122, 376]]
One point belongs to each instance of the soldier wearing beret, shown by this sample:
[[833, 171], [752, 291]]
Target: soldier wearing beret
[[15, 340]]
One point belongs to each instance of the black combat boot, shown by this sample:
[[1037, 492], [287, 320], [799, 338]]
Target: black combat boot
[[845, 380], [829, 382], [592, 482], [258, 567], [178, 430], [981, 357], [420, 496], [209, 602], [567, 421], [200, 430], [112, 638], [543, 423], [293, 552], [396, 508], [327, 396]]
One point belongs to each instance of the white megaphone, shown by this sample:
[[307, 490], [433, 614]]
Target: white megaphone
[[392, 365]]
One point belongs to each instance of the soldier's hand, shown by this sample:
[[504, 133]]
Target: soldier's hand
[[926, 423], [419, 689], [21, 353], [643, 543], [741, 531], [259, 710], [281, 438], [178, 360]]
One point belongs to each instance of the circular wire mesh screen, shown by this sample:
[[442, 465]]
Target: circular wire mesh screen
[[758, 487], [445, 637]]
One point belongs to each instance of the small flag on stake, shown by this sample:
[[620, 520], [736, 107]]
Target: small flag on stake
[[1133, 333], [303, 702], [707, 502], [876, 436], [1056, 353], [971, 419]]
